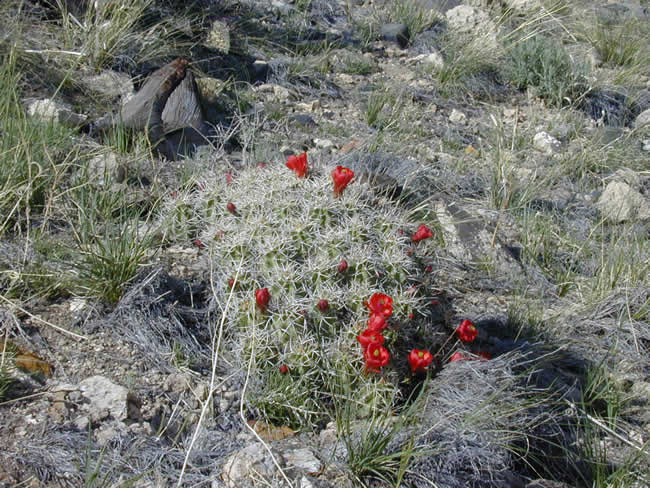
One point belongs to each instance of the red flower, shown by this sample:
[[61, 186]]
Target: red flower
[[419, 360], [428, 269], [368, 337], [284, 369], [298, 164], [376, 356], [423, 232], [323, 305], [343, 266], [485, 355], [198, 243], [262, 298], [228, 177], [377, 322], [341, 176], [466, 331], [231, 282], [458, 356], [380, 304], [231, 208]]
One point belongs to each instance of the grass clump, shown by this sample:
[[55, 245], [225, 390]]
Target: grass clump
[[545, 66]]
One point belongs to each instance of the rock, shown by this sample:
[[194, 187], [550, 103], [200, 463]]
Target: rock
[[546, 143], [104, 395], [110, 84], [471, 20], [642, 119], [248, 464], [323, 143], [646, 145], [620, 202], [523, 5], [304, 459], [396, 32], [50, 110], [218, 37], [104, 168], [457, 117], [434, 60]]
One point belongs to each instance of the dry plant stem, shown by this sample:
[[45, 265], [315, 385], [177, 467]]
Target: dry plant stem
[[241, 414], [14, 400], [610, 431], [215, 355], [56, 327]]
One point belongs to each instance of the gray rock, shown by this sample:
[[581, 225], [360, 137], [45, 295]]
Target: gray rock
[[546, 143], [110, 84], [248, 464], [304, 459], [457, 117], [104, 168], [396, 32], [50, 110], [105, 396], [620, 202], [642, 119]]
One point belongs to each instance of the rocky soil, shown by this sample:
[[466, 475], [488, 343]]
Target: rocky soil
[[540, 208]]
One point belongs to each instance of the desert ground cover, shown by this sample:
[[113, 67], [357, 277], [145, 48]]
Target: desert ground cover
[[325, 243]]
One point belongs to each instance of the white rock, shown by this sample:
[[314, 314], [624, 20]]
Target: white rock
[[103, 168], [303, 458], [49, 110], [111, 84], [471, 20], [251, 461], [323, 143], [546, 143], [622, 203], [104, 394], [642, 119], [457, 117]]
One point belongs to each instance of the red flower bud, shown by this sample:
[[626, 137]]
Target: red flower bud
[[419, 360], [198, 243], [428, 269], [343, 266], [466, 331], [262, 298], [458, 356], [342, 177], [323, 305], [228, 177], [284, 369], [231, 208], [423, 232], [298, 164]]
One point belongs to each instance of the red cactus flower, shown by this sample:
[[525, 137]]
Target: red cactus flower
[[419, 360], [428, 269], [341, 176], [343, 266], [376, 356], [231, 282], [298, 164], [229, 177], [377, 322], [368, 337], [458, 356], [261, 165], [423, 232], [284, 369], [380, 304], [262, 298], [485, 356], [323, 305], [231, 208], [466, 331], [198, 243]]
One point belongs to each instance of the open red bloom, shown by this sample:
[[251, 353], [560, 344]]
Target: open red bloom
[[341, 176], [377, 322], [419, 360], [368, 337], [458, 356], [423, 232], [298, 164], [466, 331], [376, 356], [380, 304], [262, 298]]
